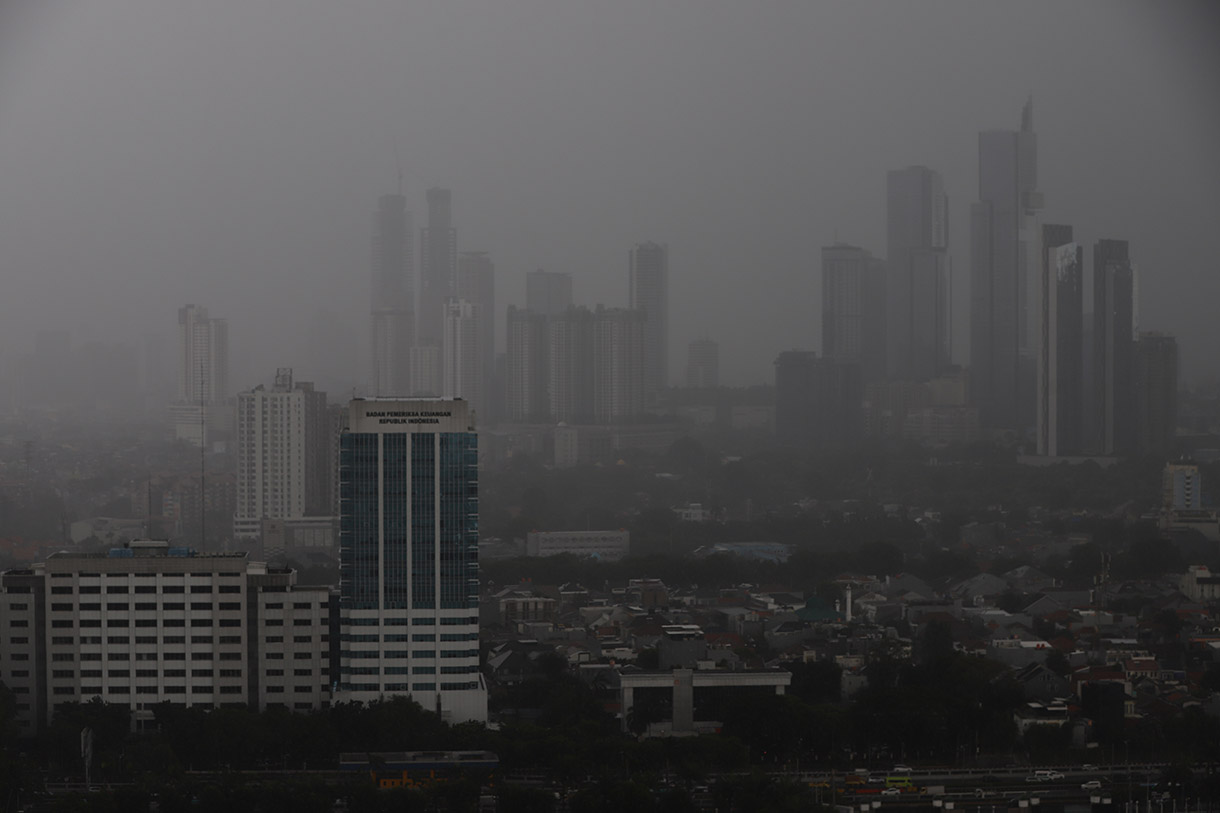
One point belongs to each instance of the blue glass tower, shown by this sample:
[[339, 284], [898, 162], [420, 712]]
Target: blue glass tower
[[408, 537]]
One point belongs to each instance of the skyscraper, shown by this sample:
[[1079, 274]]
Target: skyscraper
[[393, 323], [548, 292], [463, 374], [283, 454], [1113, 323], [571, 365], [438, 255], [476, 283], [1156, 393], [1061, 344], [648, 291], [619, 363], [917, 275], [817, 400], [1003, 243], [409, 586], [854, 309], [526, 367], [203, 376], [703, 364]]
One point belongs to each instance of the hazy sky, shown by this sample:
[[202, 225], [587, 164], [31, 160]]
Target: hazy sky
[[230, 153]]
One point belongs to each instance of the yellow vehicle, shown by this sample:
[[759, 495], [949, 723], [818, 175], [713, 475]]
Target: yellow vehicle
[[903, 782]]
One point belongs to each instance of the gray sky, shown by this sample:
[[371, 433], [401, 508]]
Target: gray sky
[[230, 152]]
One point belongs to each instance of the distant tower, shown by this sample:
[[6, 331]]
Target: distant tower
[[203, 375], [393, 325], [526, 367], [1156, 393], [1003, 245], [619, 363], [548, 293], [1113, 323], [648, 291], [1061, 344], [817, 401], [703, 364], [462, 376], [854, 309], [438, 254], [475, 283], [571, 365], [918, 277]]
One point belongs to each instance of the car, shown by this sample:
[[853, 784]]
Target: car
[[1092, 784], [1088, 766], [901, 769], [891, 792], [979, 793], [1033, 778], [876, 779]]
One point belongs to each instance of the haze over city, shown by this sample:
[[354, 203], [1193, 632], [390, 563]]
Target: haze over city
[[232, 154]]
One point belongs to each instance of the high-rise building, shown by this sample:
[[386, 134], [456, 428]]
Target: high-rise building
[[571, 365], [438, 265], [393, 300], [854, 309], [648, 292], [476, 284], [284, 436], [1003, 244], [817, 401], [619, 363], [1181, 487], [526, 367], [1060, 408], [917, 275], [703, 364], [463, 373], [1113, 323], [548, 293], [203, 376], [409, 586], [1156, 393]]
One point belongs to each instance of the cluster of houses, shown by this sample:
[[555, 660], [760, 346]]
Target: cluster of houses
[[1076, 657]]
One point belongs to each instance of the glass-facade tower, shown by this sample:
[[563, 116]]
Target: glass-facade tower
[[409, 587]]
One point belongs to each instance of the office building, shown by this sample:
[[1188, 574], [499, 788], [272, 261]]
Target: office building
[[548, 293], [817, 401], [201, 411], [1181, 487], [609, 546], [571, 366], [703, 364], [917, 290], [147, 623], [1003, 243], [393, 300], [284, 435], [475, 283], [438, 266], [619, 363], [1113, 324], [1060, 392], [409, 586], [1155, 380], [527, 367], [854, 309], [648, 292]]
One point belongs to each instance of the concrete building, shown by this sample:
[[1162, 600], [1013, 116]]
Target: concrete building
[[438, 266], [409, 583], [548, 293], [201, 411], [607, 545], [1003, 245], [703, 364], [648, 292], [1060, 378], [476, 283], [393, 296], [620, 350], [527, 399], [854, 321], [147, 624], [917, 287], [570, 365], [1155, 380], [817, 401], [463, 354], [284, 440], [1181, 487], [1113, 340]]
